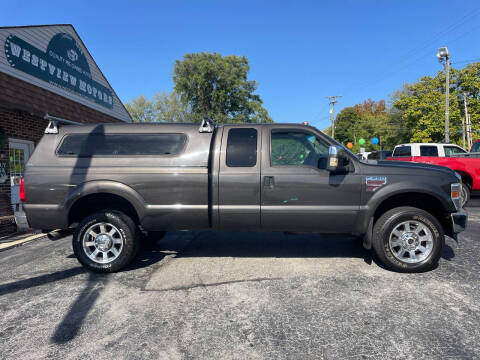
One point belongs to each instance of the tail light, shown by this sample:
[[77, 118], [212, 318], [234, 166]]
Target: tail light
[[22, 191]]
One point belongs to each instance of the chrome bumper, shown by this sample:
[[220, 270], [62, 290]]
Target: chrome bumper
[[459, 221]]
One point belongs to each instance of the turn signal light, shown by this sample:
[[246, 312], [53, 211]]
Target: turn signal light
[[22, 191], [455, 195]]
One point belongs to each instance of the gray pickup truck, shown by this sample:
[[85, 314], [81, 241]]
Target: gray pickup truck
[[113, 182]]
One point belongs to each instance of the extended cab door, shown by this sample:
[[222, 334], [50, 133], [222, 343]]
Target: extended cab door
[[298, 193], [239, 178]]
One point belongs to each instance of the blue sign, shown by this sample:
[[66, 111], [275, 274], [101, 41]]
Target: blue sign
[[64, 64]]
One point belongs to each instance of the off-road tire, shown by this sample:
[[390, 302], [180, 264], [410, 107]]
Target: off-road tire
[[128, 230], [392, 218], [465, 194]]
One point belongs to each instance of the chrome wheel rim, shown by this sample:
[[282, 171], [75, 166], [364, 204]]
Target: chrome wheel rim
[[411, 241], [102, 243]]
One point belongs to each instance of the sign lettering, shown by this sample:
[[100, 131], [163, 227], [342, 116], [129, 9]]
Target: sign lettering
[[63, 65]]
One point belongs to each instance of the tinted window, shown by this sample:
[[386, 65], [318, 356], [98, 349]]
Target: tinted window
[[402, 151], [242, 147], [372, 156], [452, 150], [428, 150], [476, 147], [298, 148], [86, 145]]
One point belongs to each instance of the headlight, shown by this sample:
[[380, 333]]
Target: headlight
[[455, 194]]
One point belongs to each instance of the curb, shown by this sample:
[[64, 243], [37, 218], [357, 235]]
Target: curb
[[9, 245]]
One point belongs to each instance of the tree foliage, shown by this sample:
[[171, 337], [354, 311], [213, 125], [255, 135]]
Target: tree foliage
[[367, 120], [162, 108], [217, 86], [422, 104], [416, 114]]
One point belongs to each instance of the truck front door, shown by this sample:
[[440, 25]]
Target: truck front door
[[239, 178], [298, 193]]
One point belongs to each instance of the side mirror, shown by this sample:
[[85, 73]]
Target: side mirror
[[332, 161], [337, 161]]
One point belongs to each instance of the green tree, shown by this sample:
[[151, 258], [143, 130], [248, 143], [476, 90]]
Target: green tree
[[141, 109], [162, 108], [217, 86], [422, 108], [367, 120]]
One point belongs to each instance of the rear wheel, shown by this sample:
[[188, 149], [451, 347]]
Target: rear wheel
[[105, 241], [408, 239]]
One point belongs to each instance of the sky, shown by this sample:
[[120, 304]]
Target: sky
[[299, 52]]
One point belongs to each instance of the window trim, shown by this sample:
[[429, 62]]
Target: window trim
[[123, 156], [257, 151], [281, 129]]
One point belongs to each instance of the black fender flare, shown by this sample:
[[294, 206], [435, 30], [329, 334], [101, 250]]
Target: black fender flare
[[365, 224], [105, 187]]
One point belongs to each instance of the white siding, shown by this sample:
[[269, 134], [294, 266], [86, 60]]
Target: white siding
[[39, 36]]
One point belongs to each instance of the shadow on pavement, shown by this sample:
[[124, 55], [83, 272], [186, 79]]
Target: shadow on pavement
[[40, 280], [68, 329], [238, 244]]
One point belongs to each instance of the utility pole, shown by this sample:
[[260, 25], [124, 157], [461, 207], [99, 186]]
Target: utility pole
[[444, 55], [333, 101], [469, 133], [465, 121]]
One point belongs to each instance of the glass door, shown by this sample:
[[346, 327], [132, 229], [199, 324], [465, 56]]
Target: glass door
[[19, 152]]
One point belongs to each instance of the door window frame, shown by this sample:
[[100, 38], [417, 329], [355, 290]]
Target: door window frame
[[297, 130]]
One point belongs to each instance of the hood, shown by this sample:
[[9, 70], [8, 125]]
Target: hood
[[403, 167]]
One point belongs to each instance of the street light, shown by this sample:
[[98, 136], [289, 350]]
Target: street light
[[442, 56]]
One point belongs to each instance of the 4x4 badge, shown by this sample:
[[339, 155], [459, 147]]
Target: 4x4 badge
[[374, 182]]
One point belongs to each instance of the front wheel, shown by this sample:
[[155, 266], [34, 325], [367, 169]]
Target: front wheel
[[105, 241], [408, 239], [465, 194]]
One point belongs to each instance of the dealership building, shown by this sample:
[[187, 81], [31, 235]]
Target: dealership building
[[44, 70]]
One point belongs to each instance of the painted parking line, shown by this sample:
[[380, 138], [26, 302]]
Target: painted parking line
[[11, 244]]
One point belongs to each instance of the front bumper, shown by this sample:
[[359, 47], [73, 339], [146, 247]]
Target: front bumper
[[459, 221]]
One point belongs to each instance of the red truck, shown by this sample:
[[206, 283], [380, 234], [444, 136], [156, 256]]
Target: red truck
[[449, 155]]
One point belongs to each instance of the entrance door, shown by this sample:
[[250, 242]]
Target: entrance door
[[298, 193], [19, 152]]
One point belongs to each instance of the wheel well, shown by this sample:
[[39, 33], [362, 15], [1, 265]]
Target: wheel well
[[422, 201], [100, 201], [466, 178]]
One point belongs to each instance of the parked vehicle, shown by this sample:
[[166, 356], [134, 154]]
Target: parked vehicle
[[449, 155], [379, 154], [427, 149], [112, 181], [364, 155]]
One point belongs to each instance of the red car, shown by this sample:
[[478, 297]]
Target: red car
[[447, 155]]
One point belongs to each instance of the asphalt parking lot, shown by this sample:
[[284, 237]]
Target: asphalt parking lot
[[232, 295]]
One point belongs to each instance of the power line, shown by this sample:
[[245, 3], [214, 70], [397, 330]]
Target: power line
[[466, 61], [408, 63]]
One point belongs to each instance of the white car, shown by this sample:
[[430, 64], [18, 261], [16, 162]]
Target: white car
[[427, 149]]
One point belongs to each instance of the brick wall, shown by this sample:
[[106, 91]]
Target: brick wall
[[22, 107]]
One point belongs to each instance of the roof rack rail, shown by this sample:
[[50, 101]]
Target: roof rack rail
[[53, 121], [207, 125]]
